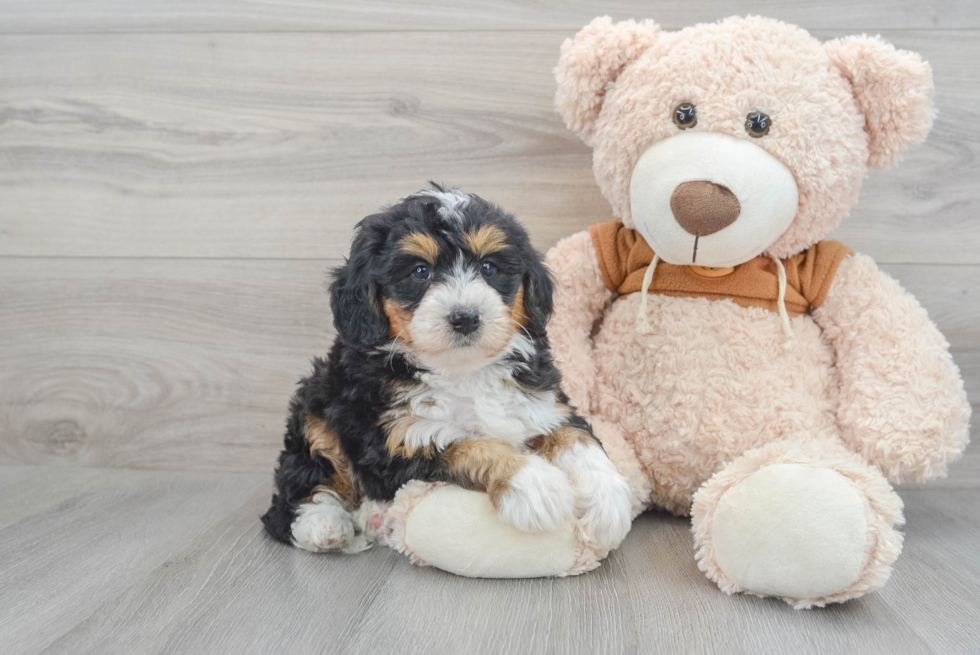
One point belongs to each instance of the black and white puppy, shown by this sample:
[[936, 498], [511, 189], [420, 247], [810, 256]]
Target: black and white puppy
[[440, 372]]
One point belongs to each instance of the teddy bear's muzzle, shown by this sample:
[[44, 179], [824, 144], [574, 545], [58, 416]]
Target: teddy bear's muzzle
[[703, 207], [710, 199]]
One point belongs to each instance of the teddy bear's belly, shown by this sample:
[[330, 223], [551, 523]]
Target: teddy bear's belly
[[713, 380]]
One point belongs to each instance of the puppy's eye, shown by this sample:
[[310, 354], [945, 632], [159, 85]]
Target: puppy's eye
[[757, 124], [489, 269], [685, 116], [421, 273]]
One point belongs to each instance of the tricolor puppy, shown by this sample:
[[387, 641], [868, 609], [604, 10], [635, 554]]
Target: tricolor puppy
[[440, 372]]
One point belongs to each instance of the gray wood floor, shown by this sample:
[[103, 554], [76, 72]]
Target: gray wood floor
[[175, 180], [121, 561]]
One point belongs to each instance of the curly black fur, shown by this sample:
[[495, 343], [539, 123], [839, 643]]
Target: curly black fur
[[357, 381]]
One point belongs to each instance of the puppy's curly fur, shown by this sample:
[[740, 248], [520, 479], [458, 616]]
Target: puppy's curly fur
[[441, 371]]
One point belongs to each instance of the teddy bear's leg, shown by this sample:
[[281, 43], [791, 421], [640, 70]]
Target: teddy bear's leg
[[459, 531], [808, 521]]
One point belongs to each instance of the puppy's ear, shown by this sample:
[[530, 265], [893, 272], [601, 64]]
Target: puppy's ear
[[893, 89], [592, 61], [539, 290], [355, 296]]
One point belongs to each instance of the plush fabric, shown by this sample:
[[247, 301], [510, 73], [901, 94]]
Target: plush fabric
[[589, 65], [620, 100], [881, 507], [778, 434], [716, 380], [624, 255], [459, 531], [902, 401], [810, 513], [892, 88], [763, 188]]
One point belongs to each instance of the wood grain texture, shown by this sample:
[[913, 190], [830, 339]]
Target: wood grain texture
[[936, 571], [205, 579], [155, 364], [59, 565], [274, 145], [334, 15], [175, 180], [189, 364], [28, 490]]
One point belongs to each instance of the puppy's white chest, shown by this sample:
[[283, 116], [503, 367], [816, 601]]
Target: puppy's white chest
[[483, 404]]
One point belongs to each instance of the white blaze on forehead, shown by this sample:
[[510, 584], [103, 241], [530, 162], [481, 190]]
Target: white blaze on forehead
[[453, 203], [766, 191]]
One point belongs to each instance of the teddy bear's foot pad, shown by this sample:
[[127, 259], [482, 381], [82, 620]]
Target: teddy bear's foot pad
[[791, 530], [459, 531]]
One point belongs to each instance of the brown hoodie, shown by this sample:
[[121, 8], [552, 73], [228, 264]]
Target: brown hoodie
[[624, 256]]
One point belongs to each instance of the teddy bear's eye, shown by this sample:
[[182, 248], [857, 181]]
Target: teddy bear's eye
[[757, 124], [685, 116]]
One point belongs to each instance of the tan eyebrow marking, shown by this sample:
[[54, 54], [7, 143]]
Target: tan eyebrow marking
[[485, 241], [421, 245]]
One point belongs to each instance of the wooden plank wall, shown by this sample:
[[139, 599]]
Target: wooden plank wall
[[177, 177]]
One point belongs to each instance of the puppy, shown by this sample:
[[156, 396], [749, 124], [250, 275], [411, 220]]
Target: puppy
[[441, 371]]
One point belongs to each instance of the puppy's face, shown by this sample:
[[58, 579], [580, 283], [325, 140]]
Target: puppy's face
[[456, 278]]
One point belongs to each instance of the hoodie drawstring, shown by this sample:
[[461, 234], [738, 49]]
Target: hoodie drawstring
[[781, 299], [642, 324]]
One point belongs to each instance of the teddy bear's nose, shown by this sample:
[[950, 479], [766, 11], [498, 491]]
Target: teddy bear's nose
[[703, 208]]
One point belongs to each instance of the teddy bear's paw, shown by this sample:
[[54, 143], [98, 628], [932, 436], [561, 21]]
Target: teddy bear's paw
[[539, 497], [796, 531], [323, 525], [603, 501]]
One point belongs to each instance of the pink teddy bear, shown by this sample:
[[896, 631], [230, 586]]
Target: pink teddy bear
[[735, 367]]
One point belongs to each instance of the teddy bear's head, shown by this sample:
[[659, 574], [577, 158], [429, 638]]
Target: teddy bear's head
[[721, 142]]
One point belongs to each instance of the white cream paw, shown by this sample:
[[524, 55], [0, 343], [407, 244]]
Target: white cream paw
[[323, 525], [603, 500], [369, 521], [791, 530], [540, 497]]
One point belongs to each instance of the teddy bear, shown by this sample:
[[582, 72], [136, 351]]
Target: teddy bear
[[736, 366]]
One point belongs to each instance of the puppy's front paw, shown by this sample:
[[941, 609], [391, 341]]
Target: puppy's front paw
[[539, 497], [603, 500], [322, 525]]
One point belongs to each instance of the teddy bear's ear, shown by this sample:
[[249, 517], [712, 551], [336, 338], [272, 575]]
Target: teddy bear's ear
[[893, 89], [591, 61]]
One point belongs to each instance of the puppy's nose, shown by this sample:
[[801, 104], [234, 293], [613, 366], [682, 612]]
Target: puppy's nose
[[464, 321], [703, 208]]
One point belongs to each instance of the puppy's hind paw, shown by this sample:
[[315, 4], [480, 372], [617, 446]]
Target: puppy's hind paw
[[323, 525], [539, 498], [369, 525]]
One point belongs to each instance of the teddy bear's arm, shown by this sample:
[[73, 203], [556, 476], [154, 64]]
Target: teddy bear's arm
[[902, 402], [581, 297]]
